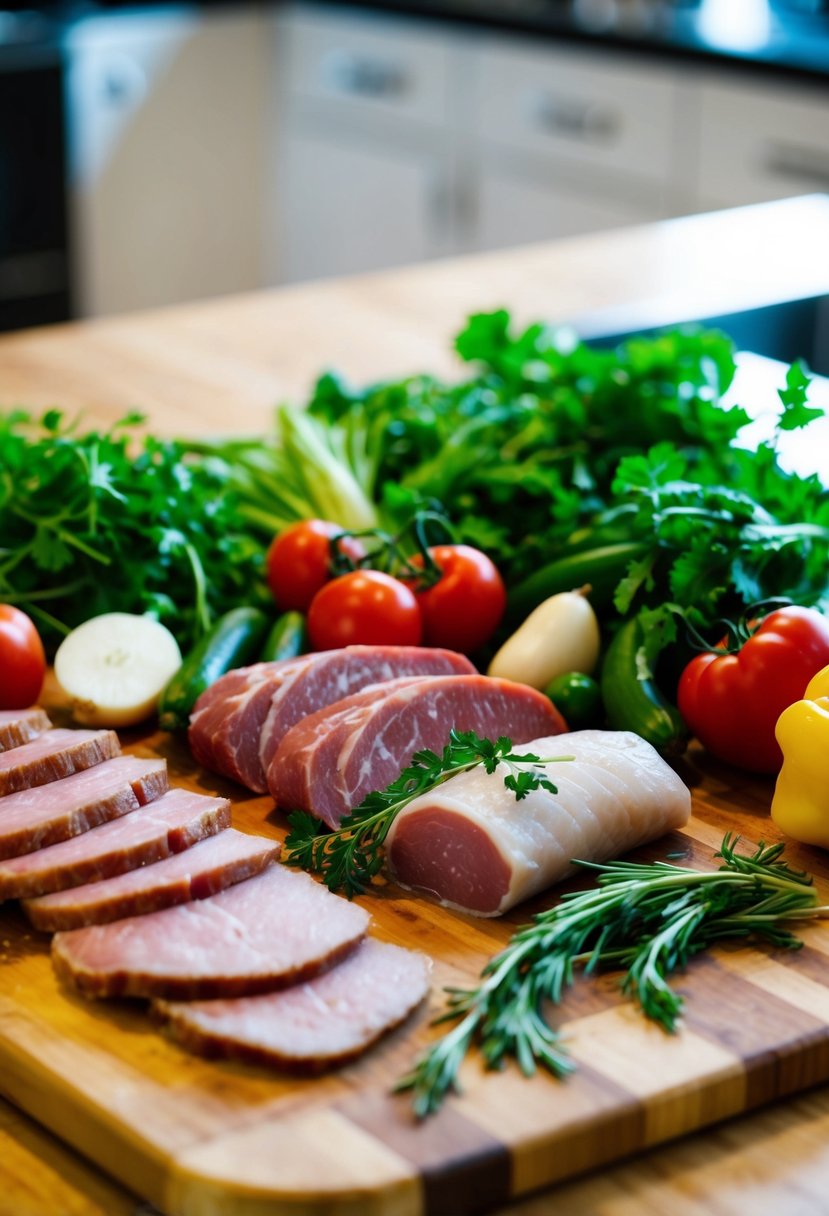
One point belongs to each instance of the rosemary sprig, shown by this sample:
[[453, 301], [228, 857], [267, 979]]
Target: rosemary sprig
[[647, 918], [349, 858]]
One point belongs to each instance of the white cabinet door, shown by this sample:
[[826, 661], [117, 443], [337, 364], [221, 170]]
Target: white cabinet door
[[515, 210], [166, 115], [759, 144], [346, 206]]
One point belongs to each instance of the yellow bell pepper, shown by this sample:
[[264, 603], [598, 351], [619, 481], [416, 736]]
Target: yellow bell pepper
[[800, 806]]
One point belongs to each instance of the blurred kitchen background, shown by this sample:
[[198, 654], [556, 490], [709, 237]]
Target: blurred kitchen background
[[155, 154]]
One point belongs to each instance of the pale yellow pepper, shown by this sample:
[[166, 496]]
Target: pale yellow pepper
[[800, 806]]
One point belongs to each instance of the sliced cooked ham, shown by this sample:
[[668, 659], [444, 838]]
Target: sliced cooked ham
[[277, 929], [310, 1027], [472, 846], [19, 726], [173, 823], [44, 815], [53, 755], [331, 759], [239, 721], [209, 866]]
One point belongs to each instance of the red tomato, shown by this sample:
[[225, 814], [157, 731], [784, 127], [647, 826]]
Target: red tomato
[[732, 702], [366, 608], [298, 560], [463, 609], [22, 661]]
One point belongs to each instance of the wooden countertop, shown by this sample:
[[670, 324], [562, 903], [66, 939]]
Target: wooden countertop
[[221, 366]]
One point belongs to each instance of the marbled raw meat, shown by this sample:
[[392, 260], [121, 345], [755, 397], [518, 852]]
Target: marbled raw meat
[[226, 722], [46, 814], [53, 755], [474, 847], [277, 929], [239, 721], [173, 823], [313, 1026], [331, 759], [209, 866]]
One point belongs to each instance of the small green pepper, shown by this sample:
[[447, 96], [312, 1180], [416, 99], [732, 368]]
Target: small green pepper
[[578, 698]]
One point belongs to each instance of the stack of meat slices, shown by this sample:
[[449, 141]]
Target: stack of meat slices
[[322, 731], [240, 721], [155, 895]]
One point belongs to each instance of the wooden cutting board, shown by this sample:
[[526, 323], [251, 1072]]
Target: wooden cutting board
[[198, 1138]]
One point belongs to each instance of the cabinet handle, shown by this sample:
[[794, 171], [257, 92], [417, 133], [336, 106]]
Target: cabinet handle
[[803, 164], [362, 76], [582, 120]]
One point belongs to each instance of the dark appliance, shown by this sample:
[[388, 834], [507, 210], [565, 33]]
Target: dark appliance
[[34, 255]]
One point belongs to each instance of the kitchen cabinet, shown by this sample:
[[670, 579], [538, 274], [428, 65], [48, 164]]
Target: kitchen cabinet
[[760, 143], [215, 150], [362, 159], [166, 112]]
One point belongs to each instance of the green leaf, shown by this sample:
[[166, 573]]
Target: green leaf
[[796, 412]]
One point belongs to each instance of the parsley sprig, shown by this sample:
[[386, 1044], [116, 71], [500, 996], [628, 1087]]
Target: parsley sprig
[[648, 919], [349, 858]]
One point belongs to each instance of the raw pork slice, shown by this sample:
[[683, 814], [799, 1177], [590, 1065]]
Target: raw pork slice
[[272, 931], [239, 721], [18, 726], [332, 759], [227, 720], [174, 823], [474, 847], [54, 755], [209, 866], [38, 817], [310, 1027], [338, 673]]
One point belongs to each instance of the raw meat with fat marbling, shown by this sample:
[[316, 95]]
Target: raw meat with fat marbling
[[53, 755], [209, 866], [261, 935], [226, 721], [313, 1026], [19, 726], [39, 817], [473, 846], [173, 823], [238, 723], [331, 759]]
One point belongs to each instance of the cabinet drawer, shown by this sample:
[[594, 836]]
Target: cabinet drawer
[[364, 64], [580, 107], [757, 145]]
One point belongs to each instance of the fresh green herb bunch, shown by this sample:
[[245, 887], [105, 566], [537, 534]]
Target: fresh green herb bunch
[[105, 521], [647, 919], [557, 447], [349, 858]]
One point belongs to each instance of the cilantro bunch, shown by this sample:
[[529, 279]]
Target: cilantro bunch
[[107, 521]]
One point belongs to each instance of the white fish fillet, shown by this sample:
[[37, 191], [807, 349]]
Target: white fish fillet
[[476, 848]]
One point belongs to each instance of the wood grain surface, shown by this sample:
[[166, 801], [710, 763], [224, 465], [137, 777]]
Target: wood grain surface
[[193, 1137]]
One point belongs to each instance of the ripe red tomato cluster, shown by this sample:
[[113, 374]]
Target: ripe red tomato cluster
[[22, 661], [460, 611], [732, 702]]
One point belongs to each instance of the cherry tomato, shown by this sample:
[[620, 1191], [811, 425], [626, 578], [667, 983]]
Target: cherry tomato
[[732, 702], [463, 609], [366, 608], [22, 661], [297, 562]]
